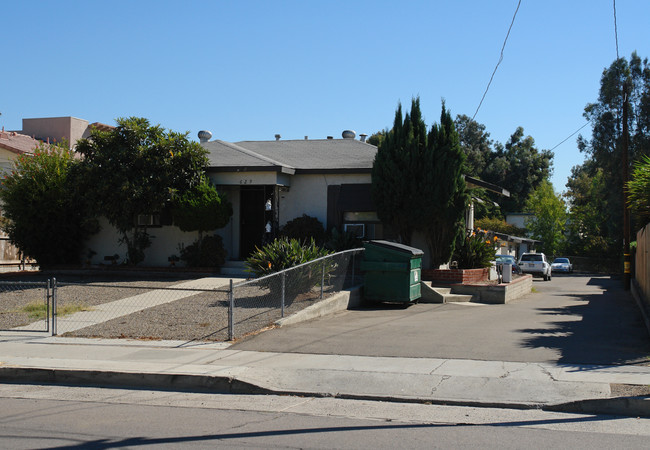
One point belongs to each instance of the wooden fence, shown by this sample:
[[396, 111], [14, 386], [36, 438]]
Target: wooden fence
[[642, 262], [10, 257]]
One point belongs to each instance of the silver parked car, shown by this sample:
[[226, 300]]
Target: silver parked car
[[562, 265]]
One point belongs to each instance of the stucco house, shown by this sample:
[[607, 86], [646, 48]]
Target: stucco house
[[272, 182], [12, 145], [268, 183], [68, 128]]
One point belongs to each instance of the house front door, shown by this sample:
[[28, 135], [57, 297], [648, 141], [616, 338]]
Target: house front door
[[251, 219]]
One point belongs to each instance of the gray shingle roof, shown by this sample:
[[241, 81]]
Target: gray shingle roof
[[225, 154], [301, 155]]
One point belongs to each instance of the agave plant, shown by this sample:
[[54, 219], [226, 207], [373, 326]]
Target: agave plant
[[477, 250], [284, 253]]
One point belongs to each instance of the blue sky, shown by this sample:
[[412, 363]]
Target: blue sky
[[246, 70]]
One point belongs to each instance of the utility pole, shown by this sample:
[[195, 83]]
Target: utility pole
[[627, 263]]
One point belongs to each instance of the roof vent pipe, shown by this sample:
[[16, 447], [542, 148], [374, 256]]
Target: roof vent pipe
[[330, 137], [362, 137], [204, 136], [277, 137]]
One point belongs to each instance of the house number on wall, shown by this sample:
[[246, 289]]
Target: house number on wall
[[245, 181]]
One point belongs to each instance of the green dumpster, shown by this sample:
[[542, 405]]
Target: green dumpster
[[391, 272]]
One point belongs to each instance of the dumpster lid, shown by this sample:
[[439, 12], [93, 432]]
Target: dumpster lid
[[398, 247]]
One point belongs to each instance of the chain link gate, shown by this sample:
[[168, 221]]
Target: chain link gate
[[28, 306]]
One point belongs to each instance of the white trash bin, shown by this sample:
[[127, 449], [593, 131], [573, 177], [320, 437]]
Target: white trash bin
[[507, 273]]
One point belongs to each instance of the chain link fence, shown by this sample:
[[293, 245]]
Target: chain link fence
[[26, 306], [143, 309], [204, 309], [258, 303]]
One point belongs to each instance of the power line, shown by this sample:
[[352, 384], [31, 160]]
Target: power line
[[500, 59], [570, 136], [616, 30]]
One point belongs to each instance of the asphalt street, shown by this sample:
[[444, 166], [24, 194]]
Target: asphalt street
[[36, 416], [572, 319]]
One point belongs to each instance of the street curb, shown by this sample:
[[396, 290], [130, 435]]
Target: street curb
[[620, 406]]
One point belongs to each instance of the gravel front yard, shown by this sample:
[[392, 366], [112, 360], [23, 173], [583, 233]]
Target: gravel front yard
[[85, 292], [201, 316]]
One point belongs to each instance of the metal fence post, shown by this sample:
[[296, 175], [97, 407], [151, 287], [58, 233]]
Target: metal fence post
[[282, 301], [48, 297], [231, 307], [54, 307], [322, 279]]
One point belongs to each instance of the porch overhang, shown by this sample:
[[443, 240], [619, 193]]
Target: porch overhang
[[476, 183]]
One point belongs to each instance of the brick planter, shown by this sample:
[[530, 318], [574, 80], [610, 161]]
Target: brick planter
[[456, 276]]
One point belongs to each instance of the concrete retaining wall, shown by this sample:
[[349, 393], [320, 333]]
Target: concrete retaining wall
[[338, 302], [501, 293]]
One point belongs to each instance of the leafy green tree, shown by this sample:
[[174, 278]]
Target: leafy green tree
[[476, 144], [499, 226], [639, 190], [599, 179], [44, 215], [549, 222], [443, 196], [518, 166], [589, 216], [377, 138], [136, 169], [590, 219]]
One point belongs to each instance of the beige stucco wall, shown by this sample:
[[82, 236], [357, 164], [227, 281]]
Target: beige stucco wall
[[57, 128], [250, 178], [6, 160], [308, 195], [164, 243]]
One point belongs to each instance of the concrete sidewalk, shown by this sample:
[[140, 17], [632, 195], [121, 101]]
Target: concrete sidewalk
[[175, 365]]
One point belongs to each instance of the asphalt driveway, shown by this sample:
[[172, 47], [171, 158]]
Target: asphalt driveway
[[571, 319]]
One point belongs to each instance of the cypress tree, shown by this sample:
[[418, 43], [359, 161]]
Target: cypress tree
[[443, 194], [394, 172]]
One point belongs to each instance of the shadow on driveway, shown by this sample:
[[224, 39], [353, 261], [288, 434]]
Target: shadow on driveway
[[604, 327], [571, 319]]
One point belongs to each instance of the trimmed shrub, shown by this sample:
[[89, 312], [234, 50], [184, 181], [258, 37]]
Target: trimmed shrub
[[211, 253], [343, 241], [303, 229]]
